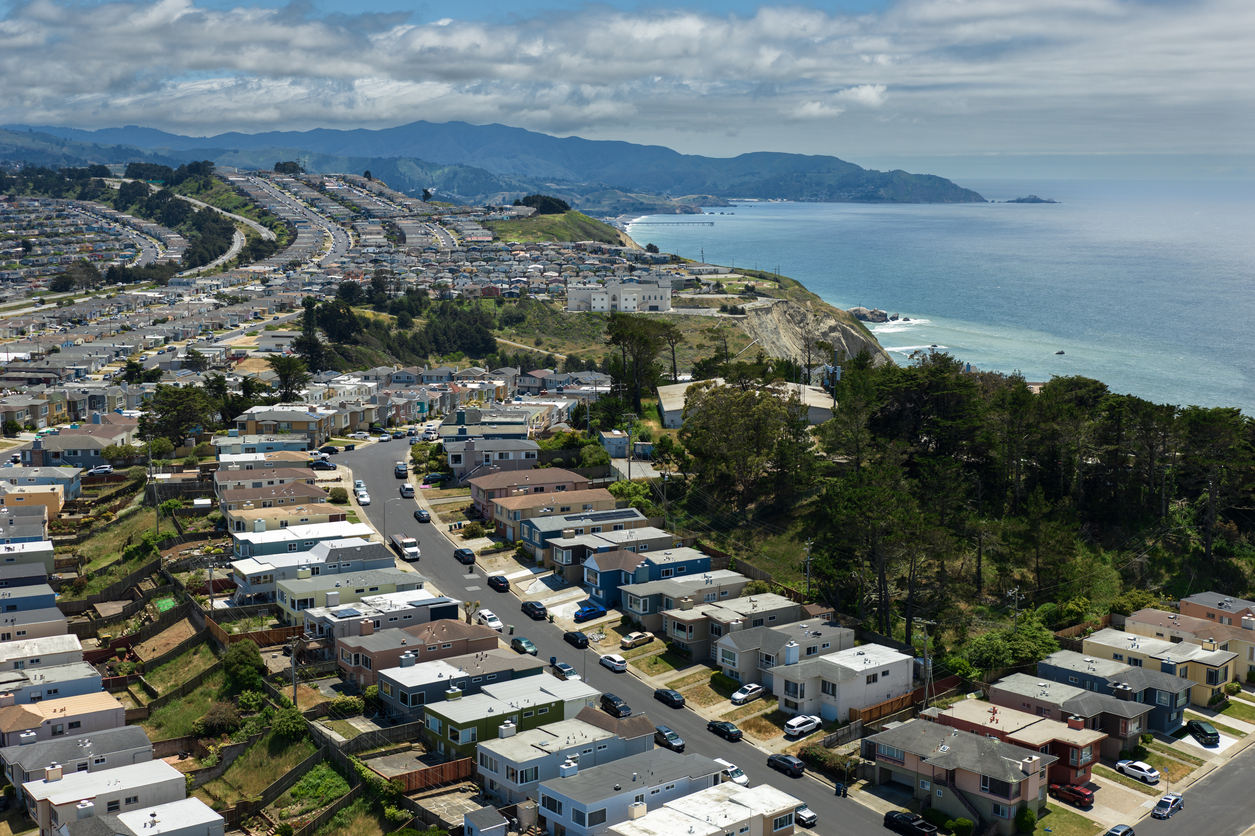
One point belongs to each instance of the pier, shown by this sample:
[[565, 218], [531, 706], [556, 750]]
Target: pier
[[672, 223]]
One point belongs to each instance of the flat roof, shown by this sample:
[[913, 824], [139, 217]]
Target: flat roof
[[546, 740], [76, 786], [37, 647], [460, 667], [174, 815], [343, 529]]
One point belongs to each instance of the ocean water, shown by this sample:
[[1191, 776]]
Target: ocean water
[[1147, 286]]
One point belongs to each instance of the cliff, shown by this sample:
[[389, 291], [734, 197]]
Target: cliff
[[779, 328]]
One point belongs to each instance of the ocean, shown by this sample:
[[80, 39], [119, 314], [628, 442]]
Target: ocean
[[1146, 286]]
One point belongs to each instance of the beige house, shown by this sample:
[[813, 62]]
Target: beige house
[[19, 496], [361, 657], [506, 483], [696, 626], [508, 511], [59, 798], [69, 717], [1173, 627], [255, 517]]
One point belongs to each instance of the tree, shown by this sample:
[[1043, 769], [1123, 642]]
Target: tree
[[349, 292], [133, 371], [12, 428], [426, 195], [195, 361], [367, 174], [544, 204], [639, 340], [291, 376], [469, 607], [242, 665], [651, 248], [337, 319], [288, 723], [672, 336], [291, 167], [159, 447], [173, 412], [404, 321]]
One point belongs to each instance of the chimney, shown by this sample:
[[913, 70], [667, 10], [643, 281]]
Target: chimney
[[453, 694], [52, 772], [507, 729], [301, 574], [247, 506], [568, 769], [1122, 691], [1075, 722], [636, 809], [85, 809], [736, 626], [367, 627], [333, 598], [686, 603], [1030, 764], [259, 525], [408, 659], [1209, 644], [792, 652], [1248, 623], [461, 417], [6, 699]]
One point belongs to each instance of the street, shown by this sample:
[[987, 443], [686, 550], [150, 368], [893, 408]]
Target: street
[[374, 465]]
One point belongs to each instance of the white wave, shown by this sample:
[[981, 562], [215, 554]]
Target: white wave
[[907, 349], [895, 327]]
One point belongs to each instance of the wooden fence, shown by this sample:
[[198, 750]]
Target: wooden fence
[[226, 757], [435, 776], [1080, 629], [243, 810], [110, 593], [311, 827], [854, 731], [261, 638], [90, 627], [883, 709], [143, 712], [163, 621], [938, 687]]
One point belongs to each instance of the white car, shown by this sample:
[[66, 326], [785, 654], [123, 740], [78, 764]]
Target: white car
[[359, 485], [385, 437], [363, 498], [489, 619], [1140, 770], [747, 693], [802, 724], [361, 436], [614, 662]]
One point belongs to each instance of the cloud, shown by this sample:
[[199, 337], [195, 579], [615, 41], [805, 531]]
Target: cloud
[[968, 76]]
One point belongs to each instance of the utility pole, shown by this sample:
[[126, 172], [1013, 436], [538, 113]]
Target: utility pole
[[928, 668], [153, 482], [1016, 598], [808, 570]]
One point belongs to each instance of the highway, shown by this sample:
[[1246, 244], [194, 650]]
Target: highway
[[374, 464], [340, 239]]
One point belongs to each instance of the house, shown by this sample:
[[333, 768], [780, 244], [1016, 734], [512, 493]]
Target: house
[[512, 765], [253, 518], [106, 749], [296, 538], [508, 511], [644, 295], [26, 598], [614, 442], [298, 419], [1209, 666], [276, 341], [33, 624], [487, 424], [61, 797], [241, 443], [1217, 607], [645, 602], [755, 651], [967, 776], [69, 478], [18, 496], [625, 528], [491, 486], [262, 461], [189, 817], [1237, 637], [410, 686], [759, 810], [360, 657], [477, 456], [697, 626], [606, 571], [21, 523], [256, 578], [833, 686], [333, 591], [79, 451], [1119, 717], [16, 574], [31, 553], [1166, 694], [402, 608], [226, 482], [46, 652], [285, 494], [46, 719], [1075, 747], [589, 801], [486, 821], [22, 687], [455, 725]]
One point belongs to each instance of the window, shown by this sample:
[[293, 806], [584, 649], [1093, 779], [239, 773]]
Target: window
[[58, 729], [1163, 698], [99, 761], [1118, 657], [75, 724], [924, 785], [551, 804], [781, 822], [132, 799], [1137, 663], [1003, 811], [527, 714], [828, 688], [727, 657], [1072, 679], [812, 650], [890, 752], [872, 677], [596, 817], [603, 747], [488, 762], [539, 710], [529, 775], [113, 806], [577, 816]]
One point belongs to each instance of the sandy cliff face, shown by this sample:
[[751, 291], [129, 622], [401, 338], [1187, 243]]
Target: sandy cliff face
[[780, 328]]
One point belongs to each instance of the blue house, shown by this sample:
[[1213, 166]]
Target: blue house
[[1166, 694], [296, 538], [537, 532], [23, 598], [236, 444], [606, 571], [67, 477]]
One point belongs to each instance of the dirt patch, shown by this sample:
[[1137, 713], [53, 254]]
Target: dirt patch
[[166, 640]]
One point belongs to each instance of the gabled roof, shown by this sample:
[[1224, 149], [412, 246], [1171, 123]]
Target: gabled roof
[[948, 748]]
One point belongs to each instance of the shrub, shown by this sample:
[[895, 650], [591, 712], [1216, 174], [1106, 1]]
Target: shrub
[[243, 666], [1137, 753], [221, 718], [1147, 738], [191, 461], [288, 723], [204, 449], [338, 496], [1218, 698], [396, 815], [346, 705], [372, 693], [1250, 676], [934, 816], [136, 474], [1232, 688], [284, 829], [252, 701], [472, 531], [1026, 820], [724, 681], [962, 827]]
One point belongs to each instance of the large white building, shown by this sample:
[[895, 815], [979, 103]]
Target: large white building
[[649, 295], [831, 685]]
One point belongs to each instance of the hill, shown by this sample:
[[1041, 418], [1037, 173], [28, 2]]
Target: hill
[[569, 226], [522, 156]]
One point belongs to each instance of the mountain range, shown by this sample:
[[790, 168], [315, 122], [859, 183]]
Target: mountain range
[[488, 163]]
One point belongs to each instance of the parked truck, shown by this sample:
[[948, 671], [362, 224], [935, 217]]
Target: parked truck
[[406, 546]]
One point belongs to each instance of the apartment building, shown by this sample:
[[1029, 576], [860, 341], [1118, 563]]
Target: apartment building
[[1205, 663], [762, 811], [106, 749], [696, 627], [361, 657], [412, 685]]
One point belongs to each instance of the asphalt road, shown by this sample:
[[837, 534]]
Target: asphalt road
[[340, 241], [1217, 806], [374, 464]]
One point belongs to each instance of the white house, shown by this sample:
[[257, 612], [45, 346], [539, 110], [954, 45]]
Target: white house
[[58, 797], [831, 685], [630, 297]]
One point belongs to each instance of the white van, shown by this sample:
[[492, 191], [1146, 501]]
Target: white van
[[732, 772]]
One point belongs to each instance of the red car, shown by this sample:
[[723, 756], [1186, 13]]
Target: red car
[[1079, 796]]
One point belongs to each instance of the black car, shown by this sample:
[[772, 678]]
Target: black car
[[464, 556], [329, 449], [668, 739], [1204, 733], [499, 583], [576, 639], [322, 465], [399, 434], [788, 764], [725, 730], [435, 478], [615, 706], [422, 515], [670, 697], [908, 824], [535, 610]]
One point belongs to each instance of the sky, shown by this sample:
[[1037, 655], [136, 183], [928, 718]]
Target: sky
[[1145, 88]]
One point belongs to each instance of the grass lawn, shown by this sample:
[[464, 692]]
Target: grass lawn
[[765, 726], [1131, 783], [637, 652], [1174, 769], [101, 548], [269, 759], [1164, 748], [361, 818], [703, 696], [1239, 710], [1065, 822], [343, 728], [659, 664], [683, 682], [180, 669], [176, 717], [14, 821], [319, 787], [762, 706]]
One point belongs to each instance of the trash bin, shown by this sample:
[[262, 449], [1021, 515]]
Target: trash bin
[[840, 789], [511, 629], [553, 661]]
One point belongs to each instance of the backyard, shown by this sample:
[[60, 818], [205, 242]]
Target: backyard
[[180, 669], [361, 818], [317, 788], [166, 640], [175, 719], [266, 761]]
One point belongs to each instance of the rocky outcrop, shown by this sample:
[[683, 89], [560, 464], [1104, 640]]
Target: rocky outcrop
[[780, 329], [864, 315]]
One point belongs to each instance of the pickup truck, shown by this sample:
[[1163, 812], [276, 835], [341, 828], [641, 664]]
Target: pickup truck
[[909, 824], [406, 546]]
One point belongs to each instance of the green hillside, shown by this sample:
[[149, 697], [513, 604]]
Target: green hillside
[[569, 226]]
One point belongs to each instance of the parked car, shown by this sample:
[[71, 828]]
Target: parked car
[[1138, 769], [790, 765], [322, 464], [489, 619], [407, 491], [615, 706], [363, 498], [614, 662], [589, 612], [361, 436], [400, 470], [398, 434], [523, 645], [564, 671], [576, 639], [384, 437], [1168, 805], [1079, 796], [500, 583], [435, 478], [726, 730], [668, 696], [632, 640], [329, 449], [733, 773], [422, 515], [1204, 733], [747, 693], [802, 724], [358, 483], [1120, 830], [100, 470], [908, 824], [668, 739], [464, 556], [534, 610], [805, 816]]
